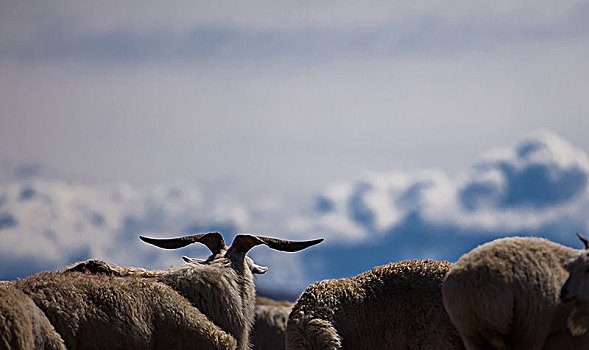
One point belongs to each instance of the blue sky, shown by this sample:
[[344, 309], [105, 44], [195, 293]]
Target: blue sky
[[394, 130]]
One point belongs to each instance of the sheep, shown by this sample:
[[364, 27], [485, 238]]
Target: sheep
[[505, 295], [222, 286], [22, 324], [575, 291], [109, 312], [271, 316], [269, 332], [395, 306]]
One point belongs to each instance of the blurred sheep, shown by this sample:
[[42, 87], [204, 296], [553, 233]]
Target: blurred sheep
[[269, 332]]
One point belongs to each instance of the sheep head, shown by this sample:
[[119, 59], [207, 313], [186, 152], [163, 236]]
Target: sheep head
[[575, 290], [576, 287], [236, 253]]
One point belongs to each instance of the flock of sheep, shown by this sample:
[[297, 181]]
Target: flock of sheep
[[511, 293]]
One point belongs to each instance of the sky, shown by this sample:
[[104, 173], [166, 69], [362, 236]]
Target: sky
[[394, 130]]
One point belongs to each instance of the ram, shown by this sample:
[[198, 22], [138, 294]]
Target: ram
[[395, 306], [221, 287], [505, 295]]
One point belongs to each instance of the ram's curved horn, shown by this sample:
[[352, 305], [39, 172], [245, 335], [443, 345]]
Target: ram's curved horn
[[584, 240], [213, 240], [243, 243]]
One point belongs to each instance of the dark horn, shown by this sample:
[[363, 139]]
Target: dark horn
[[213, 240], [288, 246], [585, 240], [243, 243]]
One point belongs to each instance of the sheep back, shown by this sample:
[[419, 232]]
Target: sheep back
[[98, 312], [395, 306], [505, 293], [224, 296], [215, 289], [23, 325]]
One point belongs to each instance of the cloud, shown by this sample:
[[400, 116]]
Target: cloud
[[539, 182], [220, 33], [540, 172], [50, 224], [536, 186], [7, 220], [55, 222], [11, 170]]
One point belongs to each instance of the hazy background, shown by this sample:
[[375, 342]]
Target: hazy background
[[393, 130]]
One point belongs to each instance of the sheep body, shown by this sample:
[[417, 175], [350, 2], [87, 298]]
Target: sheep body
[[107, 312], [270, 316], [23, 325], [218, 292], [505, 294], [213, 291], [395, 306]]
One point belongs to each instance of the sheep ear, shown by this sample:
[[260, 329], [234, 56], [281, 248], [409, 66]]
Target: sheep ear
[[584, 240], [193, 260], [243, 243], [259, 269], [213, 240]]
